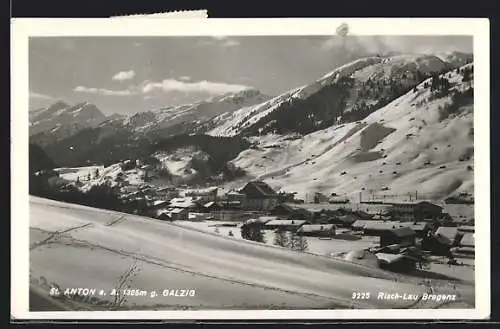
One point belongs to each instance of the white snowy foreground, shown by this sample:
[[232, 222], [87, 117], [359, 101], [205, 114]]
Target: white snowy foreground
[[94, 247]]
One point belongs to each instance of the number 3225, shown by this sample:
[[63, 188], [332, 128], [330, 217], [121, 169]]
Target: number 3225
[[360, 295]]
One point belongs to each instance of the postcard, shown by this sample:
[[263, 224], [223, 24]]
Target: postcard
[[243, 169]]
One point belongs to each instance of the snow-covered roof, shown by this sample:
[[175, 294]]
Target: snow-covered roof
[[257, 220], [448, 232], [466, 228], [416, 226], [182, 202], [285, 222], [389, 258], [316, 228], [380, 225], [205, 191], [467, 240], [158, 202], [360, 223]]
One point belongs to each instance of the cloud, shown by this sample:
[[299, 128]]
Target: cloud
[[124, 75], [209, 87], [356, 45], [40, 96], [104, 92], [185, 78]]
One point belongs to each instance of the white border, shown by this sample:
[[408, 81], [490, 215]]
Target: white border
[[22, 29]]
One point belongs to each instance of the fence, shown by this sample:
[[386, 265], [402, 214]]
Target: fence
[[372, 196]]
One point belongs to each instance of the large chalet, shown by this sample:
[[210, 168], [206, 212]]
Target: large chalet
[[259, 196]]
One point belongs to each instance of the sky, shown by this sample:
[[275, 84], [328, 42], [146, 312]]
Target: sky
[[127, 75]]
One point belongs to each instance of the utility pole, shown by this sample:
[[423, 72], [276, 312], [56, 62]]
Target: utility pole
[[416, 195], [360, 193]]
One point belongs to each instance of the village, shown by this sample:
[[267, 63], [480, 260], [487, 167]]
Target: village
[[418, 237]]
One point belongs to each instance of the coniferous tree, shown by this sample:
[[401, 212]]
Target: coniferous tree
[[257, 234], [281, 238], [298, 242]]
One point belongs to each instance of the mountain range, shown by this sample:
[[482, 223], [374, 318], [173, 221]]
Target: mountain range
[[397, 123]]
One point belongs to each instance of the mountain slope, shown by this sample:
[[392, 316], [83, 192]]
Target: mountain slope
[[422, 141], [348, 93], [39, 160], [184, 118], [61, 120]]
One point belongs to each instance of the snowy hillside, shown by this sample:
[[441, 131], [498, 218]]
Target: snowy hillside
[[422, 141], [368, 81], [61, 120], [97, 247], [178, 163]]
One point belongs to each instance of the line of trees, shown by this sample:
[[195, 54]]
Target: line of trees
[[290, 240], [282, 238]]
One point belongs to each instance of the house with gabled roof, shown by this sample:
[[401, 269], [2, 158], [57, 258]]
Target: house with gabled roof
[[259, 196]]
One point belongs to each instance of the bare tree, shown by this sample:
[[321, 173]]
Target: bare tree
[[124, 282]]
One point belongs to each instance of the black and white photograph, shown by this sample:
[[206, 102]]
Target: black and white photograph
[[233, 171]]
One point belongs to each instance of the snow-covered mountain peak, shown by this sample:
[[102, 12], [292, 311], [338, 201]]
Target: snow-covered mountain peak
[[63, 120]]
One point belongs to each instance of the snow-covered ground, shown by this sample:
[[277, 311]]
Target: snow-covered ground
[[95, 247], [178, 162], [315, 245], [402, 148], [344, 242], [133, 176]]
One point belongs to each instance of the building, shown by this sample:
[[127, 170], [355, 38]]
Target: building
[[466, 246], [420, 228], [289, 212], [320, 198], [158, 204], [466, 229], [204, 195], [212, 206], [441, 241], [396, 262], [344, 220], [259, 222], [404, 236], [377, 228], [317, 230], [168, 192], [416, 211], [173, 214], [259, 196], [467, 240], [285, 225], [359, 225], [233, 200], [451, 234], [338, 200], [186, 202]]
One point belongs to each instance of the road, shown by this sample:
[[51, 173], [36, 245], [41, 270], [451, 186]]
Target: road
[[73, 246]]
